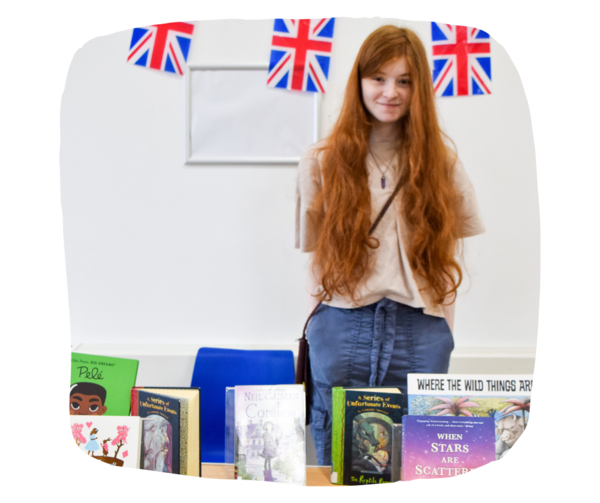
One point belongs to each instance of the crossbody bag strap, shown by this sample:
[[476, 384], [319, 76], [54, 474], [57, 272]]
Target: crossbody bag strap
[[386, 206]]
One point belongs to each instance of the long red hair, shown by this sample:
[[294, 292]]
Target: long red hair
[[429, 196]]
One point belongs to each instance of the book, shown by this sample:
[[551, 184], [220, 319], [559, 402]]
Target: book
[[438, 447], [101, 385], [270, 434], [230, 425], [115, 440], [362, 432], [171, 429], [396, 460], [505, 398]]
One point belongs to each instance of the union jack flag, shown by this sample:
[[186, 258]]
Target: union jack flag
[[300, 54], [161, 46], [462, 61]]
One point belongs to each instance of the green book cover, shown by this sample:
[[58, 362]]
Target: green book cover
[[101, 385]]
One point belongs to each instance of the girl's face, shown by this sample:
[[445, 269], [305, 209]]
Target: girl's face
[[387, 94]]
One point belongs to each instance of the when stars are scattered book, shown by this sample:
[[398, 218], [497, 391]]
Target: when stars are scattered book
[[438, 447]]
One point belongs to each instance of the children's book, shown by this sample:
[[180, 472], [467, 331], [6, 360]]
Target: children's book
[[115, 440], [362, 432], [270, 434], [171, 429], [505, 398], [101, 385], [396, 461], [437, 447]]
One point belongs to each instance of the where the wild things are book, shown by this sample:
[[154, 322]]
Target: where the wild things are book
[[101, 385], [114, 440], [505, 398], [270, 435], [362, 434]]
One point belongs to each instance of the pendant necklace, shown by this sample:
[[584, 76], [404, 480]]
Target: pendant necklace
[[380, 170]]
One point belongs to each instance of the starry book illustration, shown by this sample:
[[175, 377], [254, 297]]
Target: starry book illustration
[[270, 434], [505, 398], [438, 447], [115, 440]]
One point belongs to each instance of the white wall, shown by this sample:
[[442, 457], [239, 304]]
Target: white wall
[[160, 252]]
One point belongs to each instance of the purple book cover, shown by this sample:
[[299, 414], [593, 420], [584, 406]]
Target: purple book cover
[[445, 446]]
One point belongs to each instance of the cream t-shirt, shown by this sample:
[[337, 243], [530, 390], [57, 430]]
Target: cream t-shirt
[[391, 275]]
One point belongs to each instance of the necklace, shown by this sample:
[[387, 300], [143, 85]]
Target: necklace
[[380, 170]]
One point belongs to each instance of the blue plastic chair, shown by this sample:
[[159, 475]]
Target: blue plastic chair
[[216, 369]]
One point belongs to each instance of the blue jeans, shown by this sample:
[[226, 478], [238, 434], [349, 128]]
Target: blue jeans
[[376, 345]]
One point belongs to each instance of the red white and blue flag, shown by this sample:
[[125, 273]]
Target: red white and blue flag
[[161, 46], [301, 54], [462, 60]]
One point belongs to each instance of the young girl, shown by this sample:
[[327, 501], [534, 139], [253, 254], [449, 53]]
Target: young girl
[[387, 297]]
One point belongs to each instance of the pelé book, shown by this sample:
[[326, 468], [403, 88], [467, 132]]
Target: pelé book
[[505, 398], [362, 433], [171, 429], [438, 447], [101, 385], [270, 434], [114, 440]]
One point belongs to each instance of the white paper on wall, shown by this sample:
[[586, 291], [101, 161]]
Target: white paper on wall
[[235, 117]]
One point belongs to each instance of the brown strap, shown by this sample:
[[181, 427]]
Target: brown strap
[[386, 206]]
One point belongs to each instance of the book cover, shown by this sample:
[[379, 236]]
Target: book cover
[[362, 433], [171, 431], [101, 385], [115, 440], [441, 447], [505, 398], [161, 440], [270, 433]]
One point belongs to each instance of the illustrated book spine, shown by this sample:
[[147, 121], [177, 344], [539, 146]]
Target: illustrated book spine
[[229, 425], [337, 435]]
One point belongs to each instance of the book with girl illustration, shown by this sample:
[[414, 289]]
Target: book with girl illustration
[[115, 440]]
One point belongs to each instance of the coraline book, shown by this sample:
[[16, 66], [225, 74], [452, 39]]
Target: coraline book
[[446, 446], [269, 434]]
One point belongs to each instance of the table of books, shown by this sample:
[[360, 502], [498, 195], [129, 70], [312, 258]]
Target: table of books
[[315, 475]]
